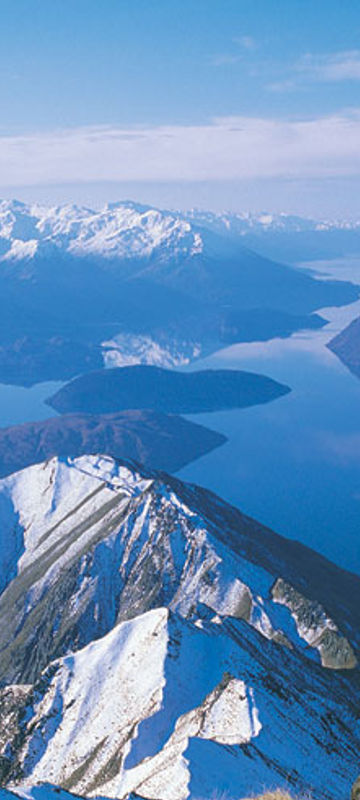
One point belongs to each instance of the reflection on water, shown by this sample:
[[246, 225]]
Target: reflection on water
[[294, 464]]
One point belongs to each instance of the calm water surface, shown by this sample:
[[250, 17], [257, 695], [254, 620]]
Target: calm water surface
[[19, 405], [294, 464]]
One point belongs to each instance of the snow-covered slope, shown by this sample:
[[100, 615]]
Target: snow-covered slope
[[154, 640], [120, 230]]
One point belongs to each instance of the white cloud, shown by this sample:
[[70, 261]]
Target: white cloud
[[225, 149], [314, 68], [342, 66]]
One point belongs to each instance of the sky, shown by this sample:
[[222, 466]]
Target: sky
[[240, 104]]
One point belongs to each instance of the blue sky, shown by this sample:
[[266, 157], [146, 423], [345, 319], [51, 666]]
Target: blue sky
[[229, 94]]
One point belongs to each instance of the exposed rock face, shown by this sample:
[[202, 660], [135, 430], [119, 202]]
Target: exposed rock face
[[145, 648], [316, 627], [166, 442], [355, 792]]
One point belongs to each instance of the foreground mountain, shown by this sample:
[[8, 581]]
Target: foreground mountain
[[346, 345], [140, 386], [155, 640], [141, 284], [162, 441]]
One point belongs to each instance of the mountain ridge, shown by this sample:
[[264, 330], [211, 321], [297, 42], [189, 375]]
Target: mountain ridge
[[272, 627]]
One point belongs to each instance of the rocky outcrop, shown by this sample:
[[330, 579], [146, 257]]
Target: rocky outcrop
[[314, 625], [355, 792]]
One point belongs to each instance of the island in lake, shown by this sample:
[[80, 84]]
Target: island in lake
[[154, 439], [141, 386]]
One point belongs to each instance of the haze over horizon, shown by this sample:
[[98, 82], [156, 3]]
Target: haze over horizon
[[242, 106]]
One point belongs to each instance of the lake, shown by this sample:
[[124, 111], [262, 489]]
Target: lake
[[293, 464], [18, 404]]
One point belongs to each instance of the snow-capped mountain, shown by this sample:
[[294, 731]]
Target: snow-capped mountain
[[120, 230], [202, 255], [155, 640]]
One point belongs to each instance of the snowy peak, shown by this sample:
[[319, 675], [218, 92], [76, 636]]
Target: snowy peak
[[126, 230], [119, 230]]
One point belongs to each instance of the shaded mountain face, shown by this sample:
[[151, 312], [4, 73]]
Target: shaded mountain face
[[164, 390], [85, 277], [155, 640], [162, 441], [346, 345]]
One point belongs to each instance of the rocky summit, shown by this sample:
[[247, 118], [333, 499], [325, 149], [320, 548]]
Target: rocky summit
[[157, 643]]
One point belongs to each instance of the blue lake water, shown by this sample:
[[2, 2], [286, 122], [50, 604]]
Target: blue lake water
[[19, 405], [293, 464]]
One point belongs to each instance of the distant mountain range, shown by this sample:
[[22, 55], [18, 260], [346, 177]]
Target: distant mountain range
[[131, 283], [156, 641], [128, 230], [286, 237]]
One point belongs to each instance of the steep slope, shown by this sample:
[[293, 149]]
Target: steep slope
[[185, 648], [346, 345], [160, 440]]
